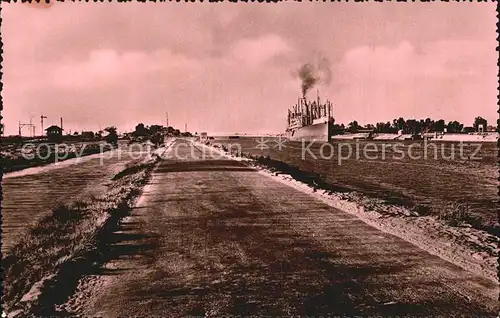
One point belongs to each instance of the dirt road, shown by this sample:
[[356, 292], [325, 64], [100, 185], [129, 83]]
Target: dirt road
[[212, 236]]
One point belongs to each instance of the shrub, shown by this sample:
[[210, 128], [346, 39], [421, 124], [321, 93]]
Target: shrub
[[65, 214], [455, 214]]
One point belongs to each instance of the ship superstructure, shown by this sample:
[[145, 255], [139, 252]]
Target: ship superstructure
[[310, 120]]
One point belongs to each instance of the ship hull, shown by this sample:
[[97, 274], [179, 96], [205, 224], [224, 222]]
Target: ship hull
[[315, 132]]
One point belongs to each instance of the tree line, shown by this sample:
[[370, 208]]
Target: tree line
[[413, 126], [142, 132], [146, 131]]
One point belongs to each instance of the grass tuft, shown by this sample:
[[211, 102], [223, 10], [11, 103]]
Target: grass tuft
[[455, 214]]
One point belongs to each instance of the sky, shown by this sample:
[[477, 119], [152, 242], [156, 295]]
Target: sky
[[226, 68]]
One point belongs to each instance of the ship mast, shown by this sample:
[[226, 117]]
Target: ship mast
[[317, 94]]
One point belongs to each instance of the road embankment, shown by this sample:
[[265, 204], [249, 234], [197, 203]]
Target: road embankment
[[42, 154], [61, 246]]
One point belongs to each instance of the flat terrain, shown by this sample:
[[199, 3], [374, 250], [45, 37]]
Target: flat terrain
[[19, 156], [212, 237], [425, 180], [32, 193]]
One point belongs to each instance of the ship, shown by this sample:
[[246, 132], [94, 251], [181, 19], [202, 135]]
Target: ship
[[310, 120]]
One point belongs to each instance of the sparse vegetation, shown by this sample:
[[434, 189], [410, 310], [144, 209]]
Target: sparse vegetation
[[129, 171], [56, 246], [454, 214]]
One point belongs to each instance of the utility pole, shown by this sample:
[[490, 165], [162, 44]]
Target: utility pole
[[185, 127], [166, 113], [32, 127], [42, 117], [21, 125]]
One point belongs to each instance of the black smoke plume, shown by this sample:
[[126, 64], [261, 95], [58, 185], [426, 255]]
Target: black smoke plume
[[311, 74], [308, 77]]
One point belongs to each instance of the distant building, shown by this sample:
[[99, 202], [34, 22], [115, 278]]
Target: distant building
[[469, 129], [338, 130], [54, 133], [429, 135], [87, 135], [365, 130]]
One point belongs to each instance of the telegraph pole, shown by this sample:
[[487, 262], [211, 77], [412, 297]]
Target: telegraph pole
[[21, 125], [42, 117], [32, 127]]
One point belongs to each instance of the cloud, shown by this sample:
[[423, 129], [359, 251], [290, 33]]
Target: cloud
[[443, 59], [259, 50], [447, 79]]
